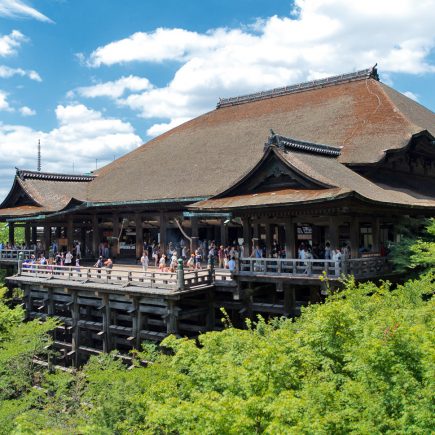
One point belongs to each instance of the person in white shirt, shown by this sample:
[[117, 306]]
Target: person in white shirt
[[144, 261], [232, 265], [68, 258]]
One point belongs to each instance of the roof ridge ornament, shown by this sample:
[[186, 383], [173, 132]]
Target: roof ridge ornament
[[291, 144], [369, 73], [36, 175]]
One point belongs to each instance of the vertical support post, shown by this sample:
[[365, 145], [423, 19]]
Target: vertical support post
[[163, 224], [70, 233], [11, 233], [95, 235], [290, 301], [354, 237], [180, 275], [255, 235], [269, 233], [246, 237], [289, 229], [172, 318], [211, 316], [224, 232], [106, 324], [47, 238], [34, 235], [195, 232], [115, 233], [139, 234], [83, 241], [376, 234], [27, 234], [75, 317], [333, 233], [50, 302]]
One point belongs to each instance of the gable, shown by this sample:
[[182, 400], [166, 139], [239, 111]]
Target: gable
[[272, 173], [18, 197]]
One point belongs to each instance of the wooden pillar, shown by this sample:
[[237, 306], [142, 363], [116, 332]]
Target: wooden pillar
[[27, 234], [139, 234], [211, 315], [163, 224], [172, 318], [246, 237], [115, 233], [255, 235], [47, 238], [376, 234], [333, 232], [75, 316], [194, 233], [269, 239], [83, 242], [11, 233], [224, 232], [354, 237], [106, 324], [289, 301], [34, 235], [95, 235], [70, 233], [290, 241]]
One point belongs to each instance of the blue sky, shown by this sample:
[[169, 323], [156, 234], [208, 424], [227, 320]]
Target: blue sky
[[94, 79]]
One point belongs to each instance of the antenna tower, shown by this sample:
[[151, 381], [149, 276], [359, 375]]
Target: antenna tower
[[39, 155]]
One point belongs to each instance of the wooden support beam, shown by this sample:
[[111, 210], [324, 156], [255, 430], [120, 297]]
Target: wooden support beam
[[223, 232], [27, 234], [139, 234], [70, 233], [290, 239], [75, 316], [172, 318], [194, 233], [106, 324], [163, 221], [95, 235], [47, 239], [246, 237], [354, 237], [11, 233]]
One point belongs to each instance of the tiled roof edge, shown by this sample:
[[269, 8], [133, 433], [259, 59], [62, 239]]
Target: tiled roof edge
[[300, 87], [287, 143], [36, 175]]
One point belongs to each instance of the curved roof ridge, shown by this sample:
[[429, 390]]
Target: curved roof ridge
[[24, 174], [300, 87]]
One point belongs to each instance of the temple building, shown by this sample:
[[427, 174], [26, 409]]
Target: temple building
[[334, 162]]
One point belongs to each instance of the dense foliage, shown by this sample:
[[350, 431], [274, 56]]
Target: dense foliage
[[363, 363], [4, 233]]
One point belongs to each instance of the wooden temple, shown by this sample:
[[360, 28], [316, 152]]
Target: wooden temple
[[341, 161]]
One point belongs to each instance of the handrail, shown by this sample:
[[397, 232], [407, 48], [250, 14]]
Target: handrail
[[121, 277], [13, 254], [359, 267]]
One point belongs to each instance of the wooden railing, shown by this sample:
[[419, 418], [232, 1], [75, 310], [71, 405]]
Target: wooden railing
[[359, 267], [14, 254], [121, 277]]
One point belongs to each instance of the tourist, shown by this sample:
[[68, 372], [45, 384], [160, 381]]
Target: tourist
[[221, 257], [232, 265], [99, 265], [191, 262], [162, 263], [336, 257], [174, 262], [327, 254], [257, 252], [68, 258], [198, 258], [144, 261], [108, 264], [77, 264]]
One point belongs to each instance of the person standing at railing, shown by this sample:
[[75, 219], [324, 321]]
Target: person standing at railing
[[144, 261], [232, 265], [99, 265], [108, 264], [337, 261], [68, 259]]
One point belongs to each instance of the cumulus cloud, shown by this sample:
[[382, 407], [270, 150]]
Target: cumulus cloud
[[7, 72], [81, 136], [318, 38], [10, 43], [27, 111], [19, 9], [411, 95], [4, 104], [113, 89]]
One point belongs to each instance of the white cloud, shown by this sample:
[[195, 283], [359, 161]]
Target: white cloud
[[27, 111], [82, 135], [319, 38], [411, 95], [4, 104], [6, 72], [157, 129], [114, 89], [10, 43], [19, 9]]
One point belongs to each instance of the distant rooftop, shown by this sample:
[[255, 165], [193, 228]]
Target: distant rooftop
[[26, 175], [277, 92]]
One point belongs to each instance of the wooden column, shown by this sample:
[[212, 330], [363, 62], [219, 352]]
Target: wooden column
[[95, 235], [172, 318], [289, 301], [75, 316], [27, 235], [106, 324], [255, 235], [70, 233], [47, 238], [115, 233], [163, 218], [139, 234], [290, 241], [194, 233], [224, 232], [246, 237], [269, 239], [354, 237], [11, 233], [83, 242], [211, 316], [34, 235], [376, 234], [333, 232]]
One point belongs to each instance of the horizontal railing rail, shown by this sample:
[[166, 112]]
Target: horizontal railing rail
[[122, 277], [359, 267], [14, 254]]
